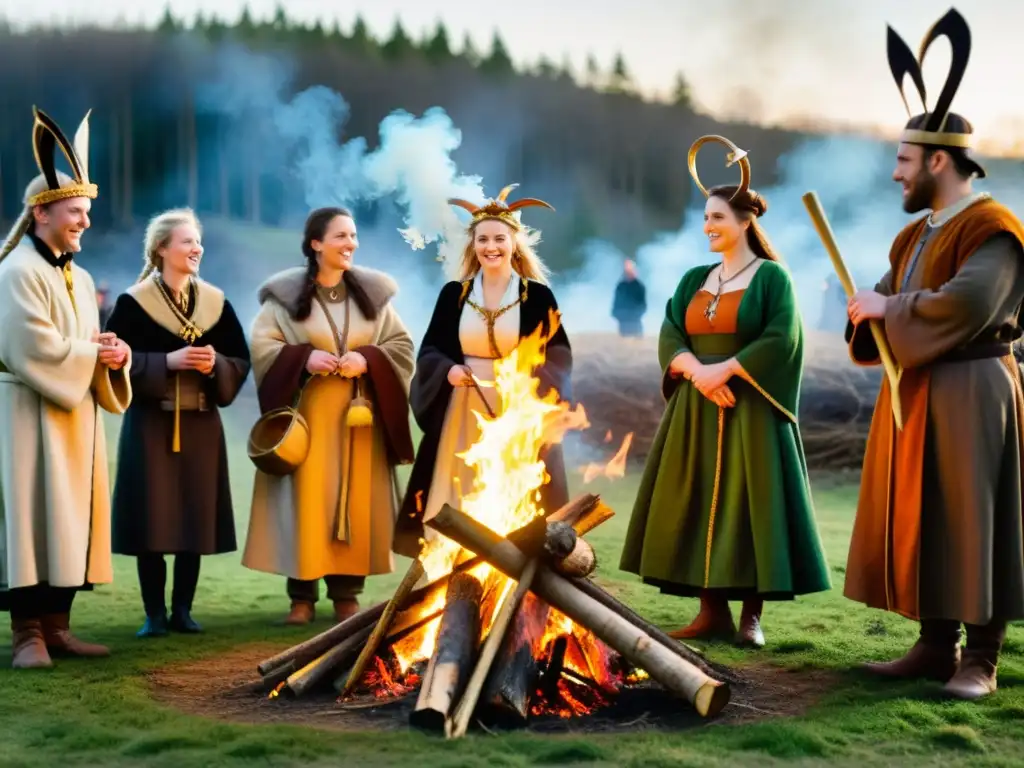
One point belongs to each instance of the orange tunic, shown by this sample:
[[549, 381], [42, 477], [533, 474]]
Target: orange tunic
[[725, 316]]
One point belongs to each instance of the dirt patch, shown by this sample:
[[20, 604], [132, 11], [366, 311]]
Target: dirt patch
[[227, 687]]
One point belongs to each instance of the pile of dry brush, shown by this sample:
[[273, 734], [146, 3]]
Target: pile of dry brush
[[618, 382]]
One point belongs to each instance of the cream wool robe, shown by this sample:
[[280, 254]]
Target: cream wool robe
[[54, 484], [294, 520]]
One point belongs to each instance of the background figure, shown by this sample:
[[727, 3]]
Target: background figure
[[103, 302], [172, 494], [323, 333], [630, 302]]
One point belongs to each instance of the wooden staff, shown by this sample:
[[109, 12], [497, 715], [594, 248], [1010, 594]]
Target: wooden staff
[[828, 239]]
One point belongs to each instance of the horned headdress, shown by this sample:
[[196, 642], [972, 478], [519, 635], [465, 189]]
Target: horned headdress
[[735, 155], [941, 127], [499, 209], [52, 185]]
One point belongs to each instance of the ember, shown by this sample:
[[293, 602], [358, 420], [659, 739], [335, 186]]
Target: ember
[[497, 619]]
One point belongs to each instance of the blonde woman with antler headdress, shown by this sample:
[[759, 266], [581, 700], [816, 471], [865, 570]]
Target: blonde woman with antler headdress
[[333, 358], [190, 358], [57, 370], [724, 509], [500, 295], [938, 535]]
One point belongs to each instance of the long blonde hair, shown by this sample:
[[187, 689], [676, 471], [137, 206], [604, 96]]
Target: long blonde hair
[[525, 261], [158, 234]]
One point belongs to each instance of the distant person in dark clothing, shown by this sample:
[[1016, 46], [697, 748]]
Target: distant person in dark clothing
[[630, 302], [103, 302]]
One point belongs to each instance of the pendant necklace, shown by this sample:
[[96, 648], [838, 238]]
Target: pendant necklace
[[712, 308]]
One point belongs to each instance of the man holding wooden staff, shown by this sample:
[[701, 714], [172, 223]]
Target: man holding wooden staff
[[938, 534]]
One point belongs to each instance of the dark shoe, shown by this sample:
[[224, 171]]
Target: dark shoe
[[922, 662], [182, 621], [60, 641], [750, 634], [28, 648], [976, 676], [345, 608], [713, 621], [301, 613], [155, 626]]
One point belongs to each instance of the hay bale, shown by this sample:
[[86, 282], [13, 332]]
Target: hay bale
[[618, 382]]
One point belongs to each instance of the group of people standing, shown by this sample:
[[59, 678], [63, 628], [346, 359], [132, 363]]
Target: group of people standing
[[723, 510]]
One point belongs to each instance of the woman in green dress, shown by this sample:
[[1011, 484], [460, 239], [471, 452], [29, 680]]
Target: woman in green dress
[[724, 507]]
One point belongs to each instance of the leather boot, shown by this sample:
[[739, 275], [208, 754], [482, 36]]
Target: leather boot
[[28, 649], [713, 621], [155, 626], [301, 613], [182, 621], [750, 634], [60, 641], [935, 656], [345, 608], [977, 674]]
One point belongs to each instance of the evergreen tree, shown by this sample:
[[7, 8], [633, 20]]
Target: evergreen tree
[[361, 40], [565, 72], [168, 24], [593, 73], [437, 48], [498, 62], [245, 28], [620, 80], [546, 68], [399, 45], [469, 52], [280, 22], [681, 96]]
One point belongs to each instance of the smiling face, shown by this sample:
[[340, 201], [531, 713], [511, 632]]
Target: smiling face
[[339, 243], [183, 251], [721, 225], [918, 180], [494, 243], [62, 223]]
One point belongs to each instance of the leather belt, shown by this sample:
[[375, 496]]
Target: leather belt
[[977, 352], [190, 394]]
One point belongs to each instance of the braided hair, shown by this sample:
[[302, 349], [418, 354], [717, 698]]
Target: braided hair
[[316, 227]]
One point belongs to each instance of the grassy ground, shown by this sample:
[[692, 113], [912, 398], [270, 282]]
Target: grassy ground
[[103, 712]]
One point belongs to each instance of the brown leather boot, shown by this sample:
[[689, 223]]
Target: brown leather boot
[[60, 641], [345, 608], [713, 621], [301, 613], [28, 649], [976, 676], [935, 656], [750, 634]]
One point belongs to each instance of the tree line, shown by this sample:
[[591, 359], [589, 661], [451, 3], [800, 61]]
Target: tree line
[[613, 163]]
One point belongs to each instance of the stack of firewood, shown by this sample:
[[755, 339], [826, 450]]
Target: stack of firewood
[[492, 676]]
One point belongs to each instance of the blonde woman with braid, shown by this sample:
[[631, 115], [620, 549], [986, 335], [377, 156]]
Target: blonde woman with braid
[[190, 358]]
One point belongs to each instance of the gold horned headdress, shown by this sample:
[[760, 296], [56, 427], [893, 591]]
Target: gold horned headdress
[[499, 209], [736, 155], [52, 185], [902, 62]]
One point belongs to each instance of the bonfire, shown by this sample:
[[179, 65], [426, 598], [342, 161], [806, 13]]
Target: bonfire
[[498, 621]]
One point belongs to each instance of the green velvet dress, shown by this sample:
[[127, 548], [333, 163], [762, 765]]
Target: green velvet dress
[[724, 503]]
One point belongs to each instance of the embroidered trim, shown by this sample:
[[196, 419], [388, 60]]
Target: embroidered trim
[[189, 330], [491, 316]]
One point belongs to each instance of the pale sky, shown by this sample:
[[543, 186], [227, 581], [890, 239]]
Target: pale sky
[[777, 60]]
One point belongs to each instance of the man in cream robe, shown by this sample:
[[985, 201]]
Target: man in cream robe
[[56, 371]]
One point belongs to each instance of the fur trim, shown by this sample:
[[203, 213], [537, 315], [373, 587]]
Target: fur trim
[[286, 286]]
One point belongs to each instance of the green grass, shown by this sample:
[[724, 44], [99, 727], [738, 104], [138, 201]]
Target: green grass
[[104, 713]]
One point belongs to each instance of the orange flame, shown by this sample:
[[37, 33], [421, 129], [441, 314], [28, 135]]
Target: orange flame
[[615, 468]]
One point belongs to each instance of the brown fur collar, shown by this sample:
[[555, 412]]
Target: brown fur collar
[[286, 286]]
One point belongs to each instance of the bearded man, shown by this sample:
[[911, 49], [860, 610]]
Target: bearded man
[[938, 535], [56, 371]]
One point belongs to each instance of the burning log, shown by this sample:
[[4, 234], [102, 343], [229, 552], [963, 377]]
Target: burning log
[[690, 654], [449, 666], [674, 673], [570, 554], [397, 601], [459, 723], [587, 506], [306, 678]]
